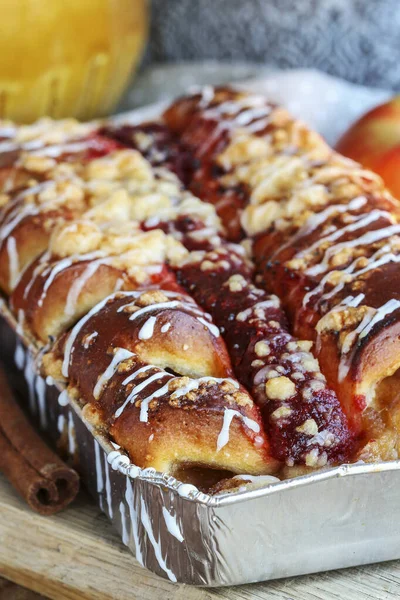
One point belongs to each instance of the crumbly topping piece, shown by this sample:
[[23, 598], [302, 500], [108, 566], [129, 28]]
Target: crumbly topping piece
[[78, 237], [36, 163], [242, 149], [280, 388], [48, 131], [287, 188], [68, 193], [125, 242], [151, 297], [236, 283], [262, 348], [309, 427], [282, 412], [120, 165], [339, 320]]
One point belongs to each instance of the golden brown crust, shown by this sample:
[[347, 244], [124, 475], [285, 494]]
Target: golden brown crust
[[166, 402], [53, 293]]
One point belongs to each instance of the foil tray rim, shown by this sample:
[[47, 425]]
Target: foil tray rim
[[191, 493]]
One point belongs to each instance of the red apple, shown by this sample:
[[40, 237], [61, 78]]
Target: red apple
[[374, 141]]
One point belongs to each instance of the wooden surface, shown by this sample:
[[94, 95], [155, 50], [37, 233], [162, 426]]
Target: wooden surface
[[77, 556], [12, 591]]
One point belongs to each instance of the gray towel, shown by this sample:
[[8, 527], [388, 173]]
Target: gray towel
[[355, 39]]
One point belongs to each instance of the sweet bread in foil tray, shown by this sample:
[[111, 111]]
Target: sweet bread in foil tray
[[217, 288]]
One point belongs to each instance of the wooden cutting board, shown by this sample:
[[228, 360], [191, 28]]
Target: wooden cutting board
[[77, 556]]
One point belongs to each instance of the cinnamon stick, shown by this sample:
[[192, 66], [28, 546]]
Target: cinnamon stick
[[46, 483]]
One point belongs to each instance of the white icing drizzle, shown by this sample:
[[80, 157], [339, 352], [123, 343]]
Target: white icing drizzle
[[212, 328], [108, 488], [119, 284], [130, 499], [229, 414], [352, 301], [63, 398], [164, 389], [120, 356], [89, 338], [75, 331], [207, 95], [153, 269], [172, 524], [7, 147], [194, 385], [78, 285], [56, 150], [370, 319], [202, 234], [245, 118], [40, 387], [361, 221], [377, 260], [37, 270], [156, 544], [272, 302], [151, 307], [124, 530], [171, 305], [165, 327], [132, 396], [144, 406], [257, 126], [7, 131], [136, 294], [147, 330], [80, 282], [364, 240], [71, 434], [21, 213], [13, 262], [349, 301], [380, 314], [315, 220], [58, 267], [133, 375], [242, 111], [133, 471]]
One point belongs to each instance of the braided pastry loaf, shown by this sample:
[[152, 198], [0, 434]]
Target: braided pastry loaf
[[325, 238], [175, 342]]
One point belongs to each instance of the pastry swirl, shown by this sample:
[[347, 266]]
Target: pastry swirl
[[152, 370]]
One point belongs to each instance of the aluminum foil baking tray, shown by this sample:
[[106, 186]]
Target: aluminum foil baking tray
[[335, 518]]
